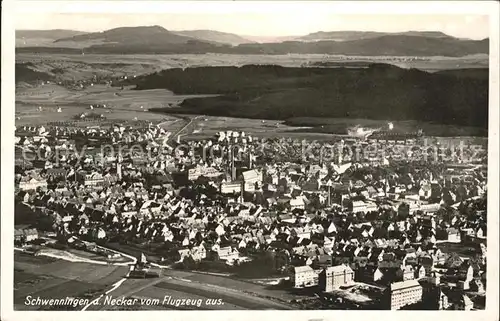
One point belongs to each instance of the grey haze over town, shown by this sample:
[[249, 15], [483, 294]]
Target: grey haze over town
[[250, 161]]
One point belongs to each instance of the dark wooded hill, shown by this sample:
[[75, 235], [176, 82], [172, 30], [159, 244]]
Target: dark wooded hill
[[377, 92]]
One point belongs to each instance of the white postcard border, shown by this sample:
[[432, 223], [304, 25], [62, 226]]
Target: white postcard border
[[490, 8]]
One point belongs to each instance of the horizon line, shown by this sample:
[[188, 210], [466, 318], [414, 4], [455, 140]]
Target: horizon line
[[259, 36]]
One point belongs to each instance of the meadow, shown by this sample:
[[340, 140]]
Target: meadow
[[135, 63], [125, 105], [121, 105], [50, 278]]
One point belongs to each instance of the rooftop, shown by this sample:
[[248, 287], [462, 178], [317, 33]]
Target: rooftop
[[300, 269], [404, 284]]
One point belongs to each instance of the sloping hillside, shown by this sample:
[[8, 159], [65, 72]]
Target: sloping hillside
[[26, 73], [214, 36], [158, 40], [358, 35], [393, 45], [37, 38], [377, 92], [130, 36], [53, 34]]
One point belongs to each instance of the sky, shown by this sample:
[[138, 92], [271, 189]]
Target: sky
[[263, 24]]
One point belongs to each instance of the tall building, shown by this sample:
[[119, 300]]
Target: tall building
[[404, 293], [251, 178], [232, 167], [304, 276], [334, 277], [250, 160]]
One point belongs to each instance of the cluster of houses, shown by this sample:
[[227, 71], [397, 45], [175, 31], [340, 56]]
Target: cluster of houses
[[24, 235], [334, 224]]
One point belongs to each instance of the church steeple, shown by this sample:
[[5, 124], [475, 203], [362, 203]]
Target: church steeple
[[119, 168]]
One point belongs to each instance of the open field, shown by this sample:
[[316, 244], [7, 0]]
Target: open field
[[208, 126], [64, 68], [75, 255], [163, 289], [182, 285], [101, 274], [48, 278], [30, 115], [339, 125], [233, 297], [113, 97], [125, 105], [158, 62], [49, 42], [121, 104], [327, 129]]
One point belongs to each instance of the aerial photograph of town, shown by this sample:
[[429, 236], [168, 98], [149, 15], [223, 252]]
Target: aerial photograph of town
[[171, 161]]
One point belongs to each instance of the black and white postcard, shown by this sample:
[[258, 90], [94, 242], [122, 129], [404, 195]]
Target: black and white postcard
[[301, 160]]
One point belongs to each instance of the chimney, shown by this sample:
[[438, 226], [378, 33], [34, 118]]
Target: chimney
[[233, 168], [242, 190], [329, 195], [119, 170]]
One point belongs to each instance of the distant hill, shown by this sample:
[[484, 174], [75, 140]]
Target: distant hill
[[340, 35], [214, 36], [358, 35], [131, 36], [270, 39], [377, 92], [158, 40], [37, 38], [389, 45], [49, 34], [428, 34]]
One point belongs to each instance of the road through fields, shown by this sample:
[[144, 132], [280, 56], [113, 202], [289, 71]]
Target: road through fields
[[184, 289]]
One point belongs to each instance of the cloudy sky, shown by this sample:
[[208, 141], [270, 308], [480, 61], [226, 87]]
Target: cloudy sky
[[264, 23]]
